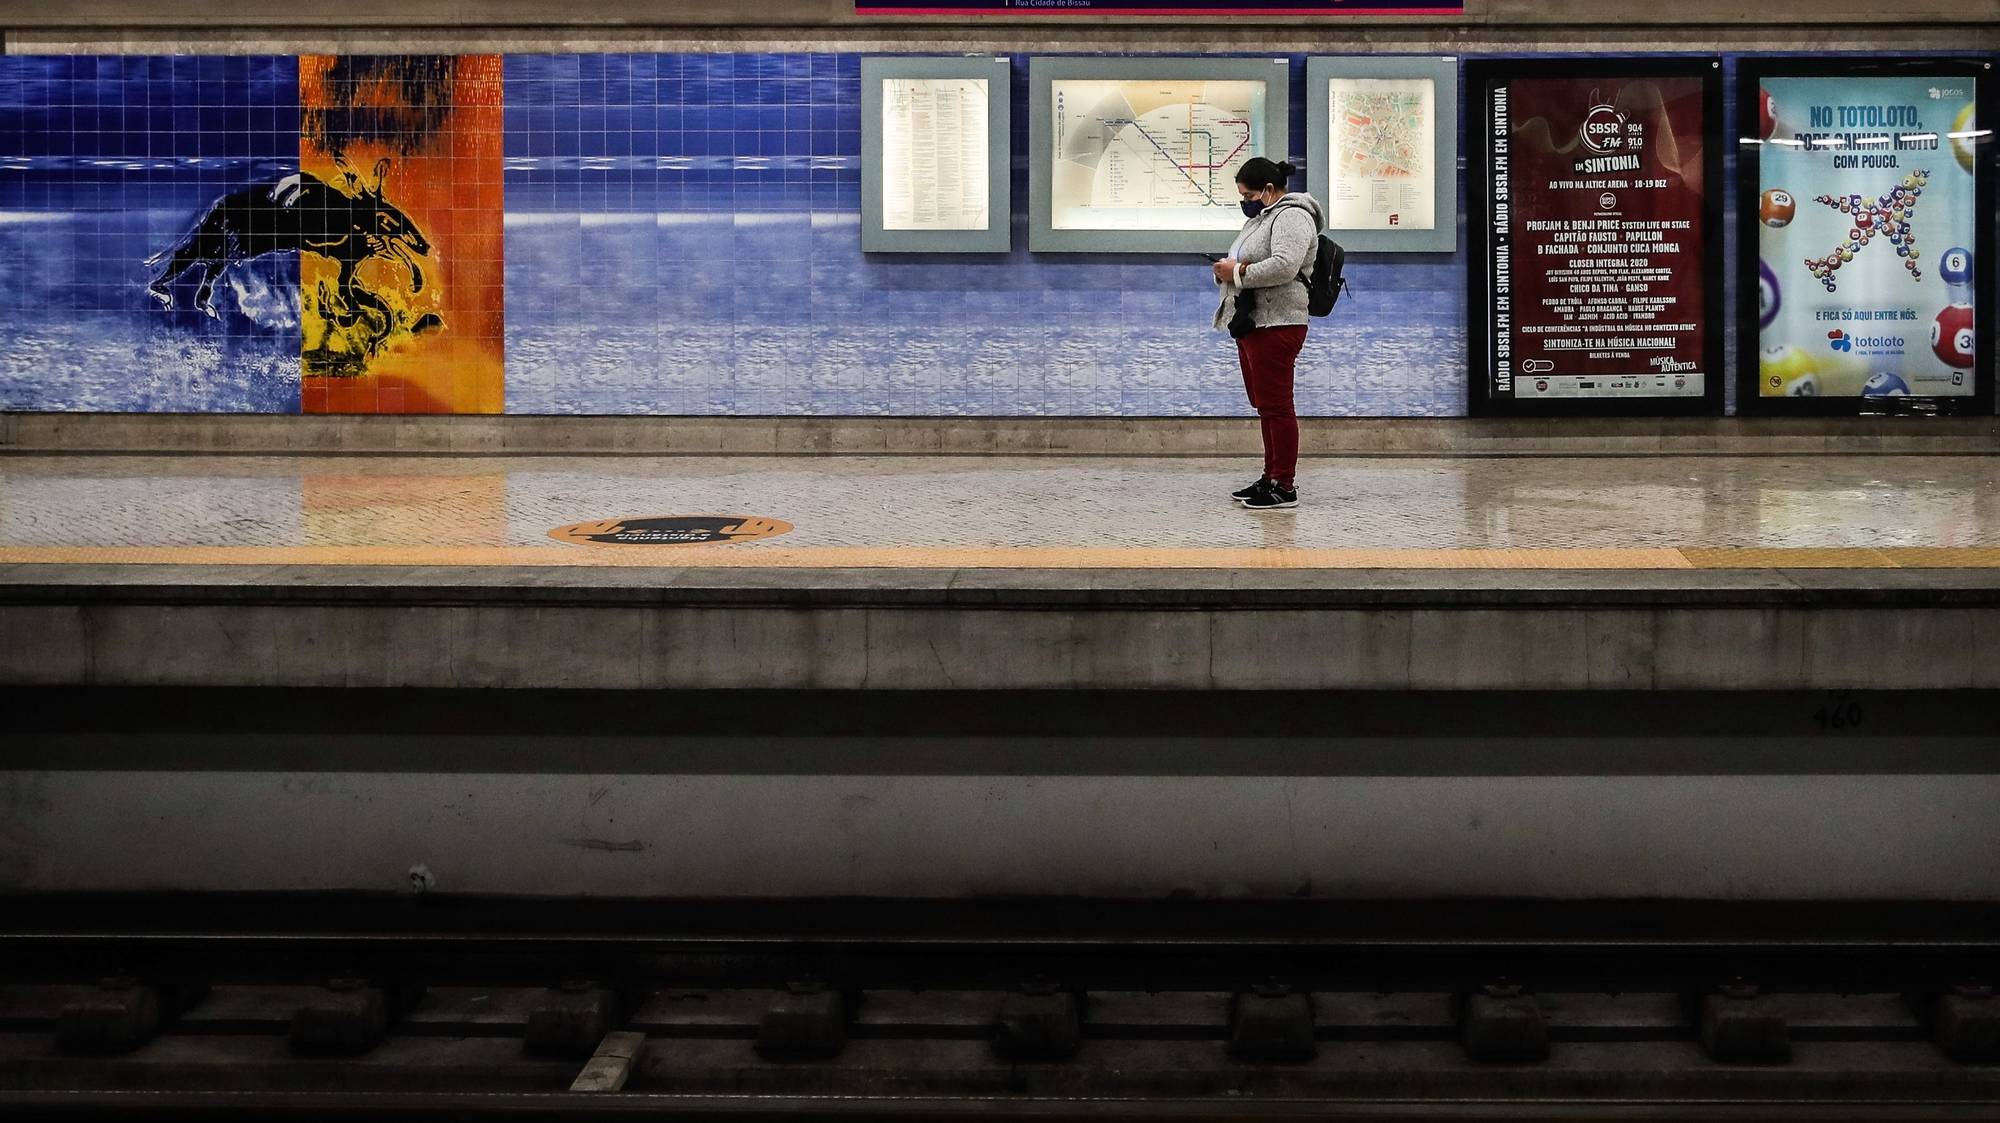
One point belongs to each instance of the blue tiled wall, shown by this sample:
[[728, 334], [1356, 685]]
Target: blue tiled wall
[[683, 237], [104, 162]]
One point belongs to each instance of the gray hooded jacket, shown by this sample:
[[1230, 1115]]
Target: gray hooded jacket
[[1277, 253]]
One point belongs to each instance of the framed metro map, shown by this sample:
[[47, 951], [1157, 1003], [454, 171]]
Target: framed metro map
[[1139, 155]]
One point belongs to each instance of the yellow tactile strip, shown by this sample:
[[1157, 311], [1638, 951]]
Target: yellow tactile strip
[[1009, 557], [1804, 557]]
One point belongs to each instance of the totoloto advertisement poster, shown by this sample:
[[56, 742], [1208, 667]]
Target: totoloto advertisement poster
[[1596, 272], [1865, 196]]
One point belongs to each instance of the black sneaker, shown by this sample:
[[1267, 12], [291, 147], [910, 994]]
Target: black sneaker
[[1245, 493], [1271, 496]]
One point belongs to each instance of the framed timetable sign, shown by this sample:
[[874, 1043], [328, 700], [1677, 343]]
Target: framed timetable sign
[[1865, 204], [934, 155], [1382, 151], [1595, 274]]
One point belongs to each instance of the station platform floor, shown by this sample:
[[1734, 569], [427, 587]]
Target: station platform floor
[[1000, 573], [997, 513]]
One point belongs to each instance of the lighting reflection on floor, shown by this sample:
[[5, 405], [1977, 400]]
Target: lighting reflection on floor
[[1516, 512]]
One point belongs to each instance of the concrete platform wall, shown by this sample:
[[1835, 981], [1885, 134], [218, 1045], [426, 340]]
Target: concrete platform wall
[[124, 26], [1780, 810], [1850, 837], [999, 630]]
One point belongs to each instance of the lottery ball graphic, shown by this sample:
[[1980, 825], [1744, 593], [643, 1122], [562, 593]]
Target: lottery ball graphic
[[1955, 266], [1767, 114], [1961, 145], [1884, 384], [1768, 295], [1777, 207], [1951, 336], [1787, 371]]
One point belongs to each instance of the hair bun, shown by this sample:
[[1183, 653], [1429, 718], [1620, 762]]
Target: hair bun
[[1287, 169]]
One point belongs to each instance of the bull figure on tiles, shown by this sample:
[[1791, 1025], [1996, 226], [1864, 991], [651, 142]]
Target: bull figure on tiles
[[349, 225]]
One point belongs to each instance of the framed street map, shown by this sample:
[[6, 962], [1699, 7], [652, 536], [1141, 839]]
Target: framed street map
[[1382, 151]]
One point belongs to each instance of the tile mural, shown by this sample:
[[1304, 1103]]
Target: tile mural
[[107, 164], [584, 234], [401, 288]]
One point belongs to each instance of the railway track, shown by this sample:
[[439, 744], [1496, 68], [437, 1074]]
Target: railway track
[[1038, 1010]]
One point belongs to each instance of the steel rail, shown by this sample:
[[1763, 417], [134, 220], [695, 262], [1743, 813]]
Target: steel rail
[[763, 959], [592, 1106]]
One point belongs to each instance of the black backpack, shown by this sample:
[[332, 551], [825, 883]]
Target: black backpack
[[1323, 287]]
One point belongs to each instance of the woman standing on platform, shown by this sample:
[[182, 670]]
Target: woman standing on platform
[[1263, 282]]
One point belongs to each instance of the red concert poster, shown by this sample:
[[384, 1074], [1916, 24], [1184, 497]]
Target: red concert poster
[[1598, 225]]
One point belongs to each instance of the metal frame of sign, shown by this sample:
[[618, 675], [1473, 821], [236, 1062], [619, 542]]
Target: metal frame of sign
[[1322, 69], [1750, 74], [997, 237], [1042, 71], [1480, 75]]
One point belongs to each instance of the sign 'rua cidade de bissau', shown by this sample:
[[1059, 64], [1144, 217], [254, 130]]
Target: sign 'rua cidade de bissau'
[[1288, 9]]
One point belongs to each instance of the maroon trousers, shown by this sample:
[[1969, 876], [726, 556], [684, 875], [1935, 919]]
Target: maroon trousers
[[1267, 355]]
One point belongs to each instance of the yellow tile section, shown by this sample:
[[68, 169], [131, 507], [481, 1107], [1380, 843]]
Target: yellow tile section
[[1944, 557], [1806, 557], [1007, 557]]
